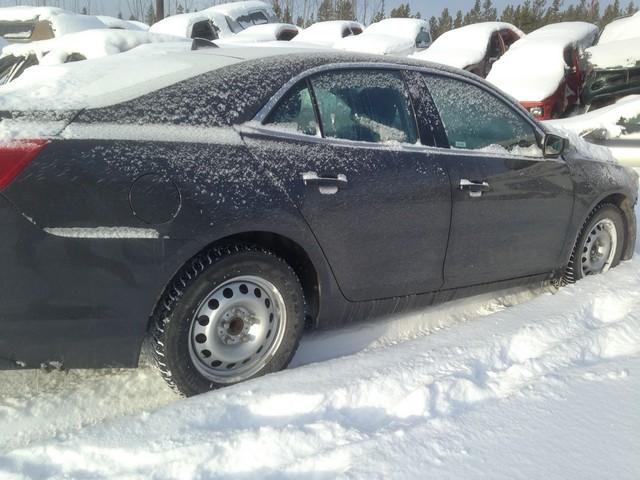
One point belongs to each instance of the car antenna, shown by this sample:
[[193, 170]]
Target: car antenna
[[199, 43]]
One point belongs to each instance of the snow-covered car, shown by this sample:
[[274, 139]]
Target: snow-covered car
[[28, 24], [391, 36], [545, 70], [621, 29], [615, 71], [221, 21], [616, 126], [217, 201], [88, 44], [474, 48], [327, 33]]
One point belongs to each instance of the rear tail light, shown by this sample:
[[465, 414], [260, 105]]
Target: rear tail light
[[15, 156]]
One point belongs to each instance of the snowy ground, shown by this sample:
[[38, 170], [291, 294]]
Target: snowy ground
[[519, 385]]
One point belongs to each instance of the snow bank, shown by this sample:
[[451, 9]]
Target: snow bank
[[375, 43], [325, 33], [464, 46], [511, 388], [621, 29], [90, 44], [534, 66], [616, 54]]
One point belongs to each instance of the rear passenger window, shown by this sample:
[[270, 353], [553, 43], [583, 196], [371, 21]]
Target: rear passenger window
[[367, 106], [295, 112], [258, 18], [475, 119]]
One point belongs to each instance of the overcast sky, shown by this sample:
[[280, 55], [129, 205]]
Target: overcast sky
[[112, 7]]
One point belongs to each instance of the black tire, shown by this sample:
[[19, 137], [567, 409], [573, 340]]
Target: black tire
[[576, 268], [171, 326]]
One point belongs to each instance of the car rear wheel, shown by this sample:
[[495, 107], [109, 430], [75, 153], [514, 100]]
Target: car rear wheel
[[599, 246], [232, 314]]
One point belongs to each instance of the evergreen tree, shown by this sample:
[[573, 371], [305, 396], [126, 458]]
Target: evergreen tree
[[554, 12], [457, 23], [151, 16], [326, 11], [179, 9], [631, 8], [612, 12], [401, 11], [277, 10], [344, 10], [489, 12], [473, 15]]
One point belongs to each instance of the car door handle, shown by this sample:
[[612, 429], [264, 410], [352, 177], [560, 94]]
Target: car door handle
[[327, 185], [475, 188]]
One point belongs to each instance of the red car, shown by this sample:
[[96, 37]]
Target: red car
[[545, 71]]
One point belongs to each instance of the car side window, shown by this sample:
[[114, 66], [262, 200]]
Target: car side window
[[365, 105], [475, 119], [295, 112]]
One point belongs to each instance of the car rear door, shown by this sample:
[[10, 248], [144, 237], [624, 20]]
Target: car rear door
[[344, 145], [511, 207]]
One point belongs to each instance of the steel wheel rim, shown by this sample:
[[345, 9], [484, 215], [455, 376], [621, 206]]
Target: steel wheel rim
[[599, 248], [237, 329]]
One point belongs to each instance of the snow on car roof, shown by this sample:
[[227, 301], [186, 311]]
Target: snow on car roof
[[464, 46], [118, 23], [24, 13], [89, 43], [407, 28], [605, 118], [178, 25], [617, 54], [534, 66], [237, 9], [325, 33], [118, 78], [377, 44], [621, 29]]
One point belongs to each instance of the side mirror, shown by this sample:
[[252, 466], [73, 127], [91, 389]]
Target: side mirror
[[553, 145]]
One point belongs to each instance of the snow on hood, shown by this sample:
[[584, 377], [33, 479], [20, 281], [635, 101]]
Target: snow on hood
[[534, 66], [375, 43], [178, 25], [407, 28], [325, 33], [263, 33], [621, 29], [616, 54], [605, 118], [90, 44], [463, 46]]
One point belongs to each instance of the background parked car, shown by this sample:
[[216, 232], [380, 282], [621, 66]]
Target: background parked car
[[221, 21], [326, 34], [28, 24], [89, 44], [615, 63], [391, 36], [474, 48], [545, 70]]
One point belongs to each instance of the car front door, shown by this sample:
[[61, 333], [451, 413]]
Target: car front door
[[511, 206], [344, 145]]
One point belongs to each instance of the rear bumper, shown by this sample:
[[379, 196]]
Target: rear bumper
[[80, 302]]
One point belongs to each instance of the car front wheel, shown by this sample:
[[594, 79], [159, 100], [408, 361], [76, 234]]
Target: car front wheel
[[599, 245], [232, 314]]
